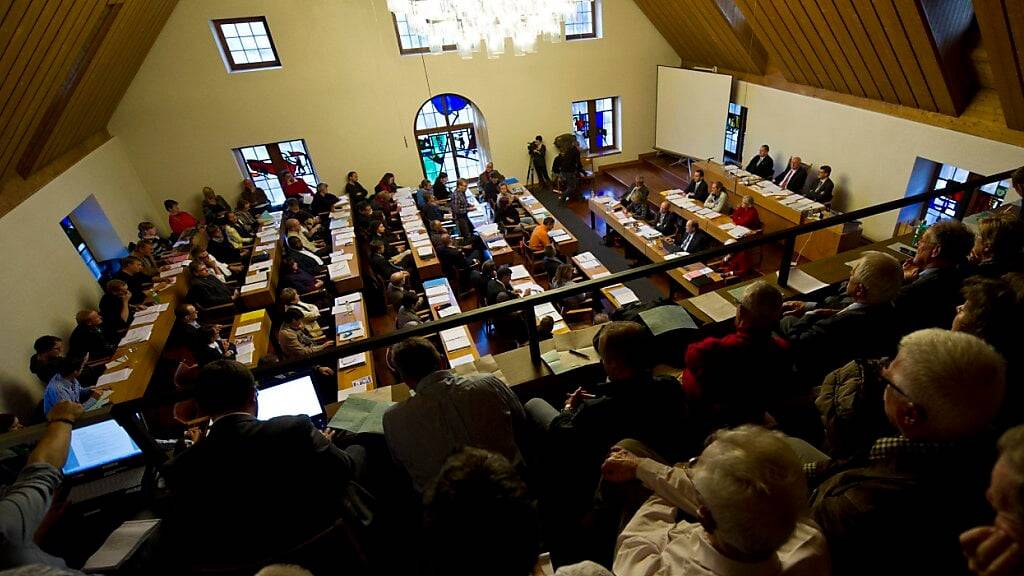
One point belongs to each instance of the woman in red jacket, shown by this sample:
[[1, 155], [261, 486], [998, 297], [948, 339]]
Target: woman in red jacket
[[745, 215], [386, 184]]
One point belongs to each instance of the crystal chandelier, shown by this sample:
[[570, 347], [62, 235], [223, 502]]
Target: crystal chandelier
[[470, 23]]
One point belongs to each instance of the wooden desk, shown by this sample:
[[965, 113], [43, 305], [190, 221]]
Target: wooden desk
[[599, 271], [266, 295], [346, 376], [560, 326], [260, 337], [538, 212], [501, 254], [344, 249], [448, 300], [655, 251], [710, 225], [427, 266]]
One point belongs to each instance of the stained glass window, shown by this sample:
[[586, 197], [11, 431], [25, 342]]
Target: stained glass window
[[447, 139], [265, 163], [594, 123]]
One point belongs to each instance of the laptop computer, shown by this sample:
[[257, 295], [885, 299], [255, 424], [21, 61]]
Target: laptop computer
[[103, 459], [291, 398], [670, 246]]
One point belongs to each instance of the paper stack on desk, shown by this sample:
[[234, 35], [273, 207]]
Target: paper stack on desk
[[739, 231], [519, 272], [425, 251], [136, 335], [455, 339], [497, 244], [145, 317], [349, 298], [116, 376], [259, 276], [254, 287], [440, 289], [339, 269], [247, 329], [623, 295], [487, 229]]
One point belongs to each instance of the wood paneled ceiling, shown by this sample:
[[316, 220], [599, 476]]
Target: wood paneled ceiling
[[64, 66], [911, 53]]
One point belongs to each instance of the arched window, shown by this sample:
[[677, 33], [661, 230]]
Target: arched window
[[451, 137]]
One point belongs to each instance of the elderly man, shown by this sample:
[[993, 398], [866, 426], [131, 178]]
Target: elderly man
[[635, 200], [449, 412], [293, 229], [900, 507], [206, 290], [762, 165], [88, 337], [737, 376], [826, 338], [219, 269], [930, 297], [693, 239], [398, 283], [998, 549], [793, 177], [739, 510], [666, 221]]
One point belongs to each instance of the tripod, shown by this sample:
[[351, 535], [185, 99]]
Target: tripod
[[529, 172]]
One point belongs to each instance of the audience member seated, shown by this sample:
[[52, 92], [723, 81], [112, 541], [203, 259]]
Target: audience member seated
[[563, 277], [489, 187], [381, 265], [631, 403], [219, 269], [551, 261], [451, 257], [386, 184], [355, 191], [666, 221], [479, 517], [821, 189], [693, 239], [220, 247], [540, 236], [384, 203], [933, 277], [292, 276], [143, 250], [698, 187], [500, 284], [997, 549], [379, 232], [363, 219], [740, 509], [293, 229], [255, 196], [186, 339], [88, 337], [115, 310], [293, 187], [433, 211], [178, 219], [206, 290], [65, 386], [406, 309], [293, 339], [506, 214], [290, 300], [734, 379], [746, 214], [148, 231], [448, 412], [421, 193], [25, 502], [218, 513], [306, 260], [398, 285], [793, 177], [877, 509], [214, 205], [293, 209], [636, 199], [44, 362], [131, 274], [480, 279], [441, 187], [997, 246], [213, 347], [717, 200], [243, 214], [825, 338], [323, 200], [762, 165], [229, 223]]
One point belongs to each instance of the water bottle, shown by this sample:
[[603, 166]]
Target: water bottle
[[919, 232]]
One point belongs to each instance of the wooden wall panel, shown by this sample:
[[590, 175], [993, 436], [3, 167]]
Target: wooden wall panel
[[41, 43], [1002, 31]]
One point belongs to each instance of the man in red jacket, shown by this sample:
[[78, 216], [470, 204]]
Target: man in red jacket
[[178, 218], [734, 378]]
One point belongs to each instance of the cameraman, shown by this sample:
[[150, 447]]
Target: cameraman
[[538, 155]]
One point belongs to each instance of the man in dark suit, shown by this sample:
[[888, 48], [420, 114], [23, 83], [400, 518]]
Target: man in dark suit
[[131, 274], [185, 339], [694, 239], [697, 188], [88, 337], [762, 165], [821, 190], [666, 222], [251, 489], [931, 291], [451, 257], [500, 284], [793, 177], [826, 338], [206, 289]]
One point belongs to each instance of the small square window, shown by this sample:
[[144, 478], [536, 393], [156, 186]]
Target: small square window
[[582, 23], [246, 43], [411, 43]]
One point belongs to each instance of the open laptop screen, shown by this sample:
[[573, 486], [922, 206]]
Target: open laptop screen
[[97, 445], [290, 398]]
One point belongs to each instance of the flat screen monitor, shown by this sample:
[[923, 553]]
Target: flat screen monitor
[[290, 398], [97, 445]]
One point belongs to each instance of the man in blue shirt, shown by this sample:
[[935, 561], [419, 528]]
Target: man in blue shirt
[[65, 386]]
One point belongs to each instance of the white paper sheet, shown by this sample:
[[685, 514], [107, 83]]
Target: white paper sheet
[[116, 376], [803, 282], [247, 329]]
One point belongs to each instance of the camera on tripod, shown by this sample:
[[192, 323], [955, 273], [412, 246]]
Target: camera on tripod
[[531, 146]]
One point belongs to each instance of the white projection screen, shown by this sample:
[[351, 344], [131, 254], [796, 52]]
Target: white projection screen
[[692, 110]]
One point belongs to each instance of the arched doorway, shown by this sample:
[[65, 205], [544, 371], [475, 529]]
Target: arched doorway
[[450, 137]]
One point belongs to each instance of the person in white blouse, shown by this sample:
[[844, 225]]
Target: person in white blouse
[[219, 269], [310, 313], [717, 200], [744, 508]]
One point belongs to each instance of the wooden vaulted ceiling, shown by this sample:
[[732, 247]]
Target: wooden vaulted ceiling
[[64, 66], [909, 53]]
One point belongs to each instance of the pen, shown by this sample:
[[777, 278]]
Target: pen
[[580, 354]]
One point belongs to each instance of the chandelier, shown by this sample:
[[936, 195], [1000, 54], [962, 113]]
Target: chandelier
[[471, 23]]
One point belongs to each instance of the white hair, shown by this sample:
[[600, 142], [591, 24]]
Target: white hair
[[284, 570], [956, 377], [763, 303], [753, 484], [1011, 454], [880, 274]]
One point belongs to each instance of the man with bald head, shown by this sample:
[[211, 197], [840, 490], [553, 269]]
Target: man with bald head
[[396, 288], [88, 337], [902, 506], [293, 229], [667, 223], [793, 177]]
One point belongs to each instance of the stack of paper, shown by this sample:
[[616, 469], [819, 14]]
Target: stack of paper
[[487, 229], [739, 231], [136, 335], [448, 311], [247, 329], [803, 282], [254, 287], [111, 377], [145, 317], [425, 251], [519, 272], [455, 339], [497, 244], [339, 269], [351, 330], [727, 226], [715, 306], [120, 545], [623, 295], [438, 290], [265, 265], [259, 276], [359, 415], [349, 298], [353, 360], [338, 256]]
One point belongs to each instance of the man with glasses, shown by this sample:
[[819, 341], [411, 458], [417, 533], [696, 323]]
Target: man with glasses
[[901, 506], [736, 509], [933, 277]]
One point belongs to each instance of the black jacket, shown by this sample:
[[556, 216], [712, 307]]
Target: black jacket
[[822, 344], [209, 291], [323, 203], [382, 267], [494, 288], [136, 285], [223, 251], [701, 241], [698, 189], [763, 168], [930, 301], [821, 190], [667, 223], [796, 183], [110, 310], [356, 193], [251, 489], [441, 191], [91, 340]]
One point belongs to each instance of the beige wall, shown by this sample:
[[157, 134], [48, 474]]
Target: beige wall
[[871, 154], [346, 90], [46, 282]]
